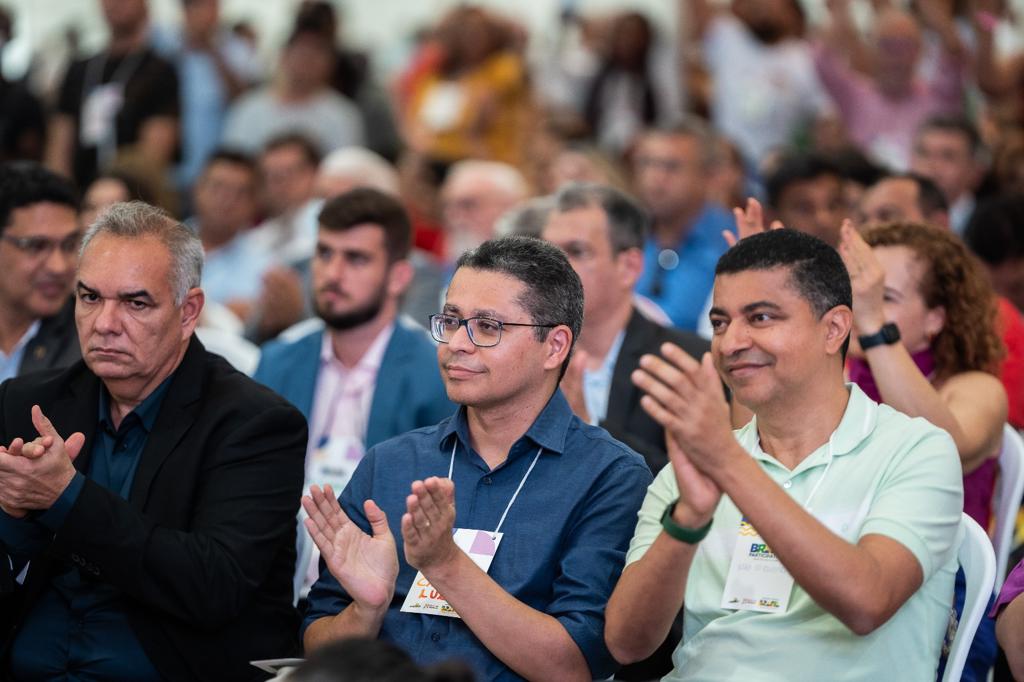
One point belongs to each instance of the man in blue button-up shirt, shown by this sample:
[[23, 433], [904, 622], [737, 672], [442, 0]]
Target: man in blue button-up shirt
[[563, 495]]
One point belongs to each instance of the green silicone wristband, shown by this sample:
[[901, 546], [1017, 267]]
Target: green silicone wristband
[[690, 536]]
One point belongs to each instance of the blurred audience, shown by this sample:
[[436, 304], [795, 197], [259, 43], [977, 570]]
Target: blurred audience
[[466, 93], [882, 110], [120, 102], [214, 67], [474, 195], [948, 151], [299, 99], [670, 168]]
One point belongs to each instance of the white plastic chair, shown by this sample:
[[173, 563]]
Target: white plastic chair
[[1007, 499], [978, 560]]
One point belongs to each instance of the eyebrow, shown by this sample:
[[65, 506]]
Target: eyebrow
[[478, 312], [122, 296], [749, 308]]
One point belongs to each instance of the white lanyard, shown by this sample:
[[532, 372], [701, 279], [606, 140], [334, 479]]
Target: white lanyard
[[451, 469]]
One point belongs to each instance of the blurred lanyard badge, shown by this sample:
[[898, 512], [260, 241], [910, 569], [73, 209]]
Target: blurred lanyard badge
[[479, 545], [757, 580], [102, 102]]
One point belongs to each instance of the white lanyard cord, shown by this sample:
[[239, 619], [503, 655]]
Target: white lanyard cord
[[828, 465], [451, 469]]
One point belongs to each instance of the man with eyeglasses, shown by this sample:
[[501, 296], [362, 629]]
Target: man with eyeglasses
[[497, 535], [39, 239], [358, 372]]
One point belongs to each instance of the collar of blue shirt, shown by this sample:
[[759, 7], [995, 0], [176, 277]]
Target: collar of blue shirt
[[547, 431]]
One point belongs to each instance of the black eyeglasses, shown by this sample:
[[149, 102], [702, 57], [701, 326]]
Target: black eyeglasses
[[483, 331], [38, 246]]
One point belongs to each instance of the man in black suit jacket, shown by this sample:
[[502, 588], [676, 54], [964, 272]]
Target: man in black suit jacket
[[603, 232], [148, 532]]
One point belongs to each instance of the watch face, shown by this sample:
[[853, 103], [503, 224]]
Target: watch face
[[890, 332]]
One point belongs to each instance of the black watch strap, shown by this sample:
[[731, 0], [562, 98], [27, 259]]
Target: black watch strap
[[886, 336]]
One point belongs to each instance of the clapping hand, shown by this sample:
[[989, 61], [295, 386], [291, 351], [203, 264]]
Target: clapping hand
[[428, 522], [365, 565], [34, 474]]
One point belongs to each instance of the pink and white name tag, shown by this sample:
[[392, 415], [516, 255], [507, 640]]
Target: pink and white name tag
[[422, 598]]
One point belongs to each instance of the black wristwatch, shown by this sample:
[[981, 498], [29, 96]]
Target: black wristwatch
[[887, 335]]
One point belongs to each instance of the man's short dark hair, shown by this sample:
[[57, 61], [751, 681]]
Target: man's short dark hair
[[815, 268], [234, 157], [310, 152], [694, 128], [628, 224], [554, 292], [996, 230], [854, 165], [954, 123], [25, 183], [794, 168], [930, 198], [365, 205]]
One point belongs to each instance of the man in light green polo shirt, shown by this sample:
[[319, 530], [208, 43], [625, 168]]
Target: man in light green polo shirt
[[818, 541]]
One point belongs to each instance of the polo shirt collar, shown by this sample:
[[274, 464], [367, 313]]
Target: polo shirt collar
[[549, 429], [858, 422]]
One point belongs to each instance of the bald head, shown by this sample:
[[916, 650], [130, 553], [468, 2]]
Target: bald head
[[474, 195]]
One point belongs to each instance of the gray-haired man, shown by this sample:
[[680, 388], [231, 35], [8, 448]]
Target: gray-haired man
[[147, 533]]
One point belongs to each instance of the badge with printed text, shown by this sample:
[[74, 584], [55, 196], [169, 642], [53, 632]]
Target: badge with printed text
[[334, 462], [757, 580], [480, 545]]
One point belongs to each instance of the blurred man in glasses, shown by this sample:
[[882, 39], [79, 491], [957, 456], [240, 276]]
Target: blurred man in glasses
[[39, 238]]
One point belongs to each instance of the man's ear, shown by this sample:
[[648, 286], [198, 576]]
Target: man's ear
[[838, 325], [558, 343], [191, 309], [400, 274], [630, 265]]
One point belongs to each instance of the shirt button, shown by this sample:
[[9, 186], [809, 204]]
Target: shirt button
[[787, 485], [435, 637], [487, 480]]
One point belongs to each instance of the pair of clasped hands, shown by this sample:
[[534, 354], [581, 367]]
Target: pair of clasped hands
[[685, 395], [33, 474], [367, 565]]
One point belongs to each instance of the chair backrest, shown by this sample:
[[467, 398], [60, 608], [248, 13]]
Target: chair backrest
[[1007, 498], [978, 561]]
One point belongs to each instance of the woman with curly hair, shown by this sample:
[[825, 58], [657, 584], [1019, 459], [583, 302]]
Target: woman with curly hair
[[925, 316], [927, 344]]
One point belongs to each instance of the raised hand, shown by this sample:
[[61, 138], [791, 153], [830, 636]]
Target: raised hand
[[686, 397], [748, 221], [365, 565], [867, 279], [428, 522]]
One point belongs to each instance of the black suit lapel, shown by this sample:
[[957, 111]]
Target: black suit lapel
[[177, 414], [77, 410]]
